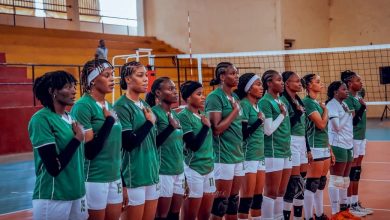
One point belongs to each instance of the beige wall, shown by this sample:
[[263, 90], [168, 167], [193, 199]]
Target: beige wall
[[359, 22], [307, 22], [217, 25]]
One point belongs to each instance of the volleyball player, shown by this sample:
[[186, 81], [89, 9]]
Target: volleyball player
[[300, 152], [317, 134], [59, 191], [140, 161], [356, 103], [340, 138], [170, 148], [102, 141], [199, 158], [276, 145], [223, 107], [250, 90]]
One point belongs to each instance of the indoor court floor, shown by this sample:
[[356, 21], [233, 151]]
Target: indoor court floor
[[17, 178]]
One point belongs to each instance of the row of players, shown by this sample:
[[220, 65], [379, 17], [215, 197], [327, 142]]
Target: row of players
[[258, 151]]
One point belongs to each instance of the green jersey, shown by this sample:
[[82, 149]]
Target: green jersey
[[253, 146], [317, 138], [171, 151], [277, 145], [202, 161], [228, 145], [140, 166], [46, 128], [359, 130], [105, 167], [299, 128]]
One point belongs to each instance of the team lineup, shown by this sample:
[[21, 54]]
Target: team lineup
[[252, 149]]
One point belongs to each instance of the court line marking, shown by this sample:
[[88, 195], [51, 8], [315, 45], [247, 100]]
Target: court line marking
[[385, 210], [377, 162], [9, 213], [375, 180]]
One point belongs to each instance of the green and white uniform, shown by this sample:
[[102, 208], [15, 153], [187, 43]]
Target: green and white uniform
[[140, 166], [298, 142], [317, 138], [170, 155], [46, 128], [340, 130], [253, 146], [199, 165], [359, 131], [277, 135], [228, 145], [102, 174]]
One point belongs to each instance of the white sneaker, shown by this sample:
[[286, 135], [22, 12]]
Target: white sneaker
[[355, 210], [368, 211]]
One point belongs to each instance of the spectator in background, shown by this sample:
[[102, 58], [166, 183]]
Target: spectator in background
[[101, 50]]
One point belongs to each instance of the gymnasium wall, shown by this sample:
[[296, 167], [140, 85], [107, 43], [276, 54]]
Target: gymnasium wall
[[216, 26]]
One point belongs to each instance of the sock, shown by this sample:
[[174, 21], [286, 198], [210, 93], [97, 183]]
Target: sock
[[349, 201], [267, 208], [343, 196], [278, 208], [308, 203], [354, 199], [319, 202], [256, 218], [334, 199], [298, 207]]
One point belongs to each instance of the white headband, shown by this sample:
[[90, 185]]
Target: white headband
[[250, 83], [95, 73]]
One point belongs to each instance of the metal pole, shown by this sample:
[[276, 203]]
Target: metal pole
[[178, 76], [13, 8]]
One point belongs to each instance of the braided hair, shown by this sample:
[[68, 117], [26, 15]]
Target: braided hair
[[347, 75], [50, 81], [334, 86], [126, 70], [286, 75], [267, 77], [219, 70], [90, 66], [306, 80], [189, 87], [242, 81], [151, 96]]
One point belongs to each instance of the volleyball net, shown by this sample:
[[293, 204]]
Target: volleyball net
[[326, 62]]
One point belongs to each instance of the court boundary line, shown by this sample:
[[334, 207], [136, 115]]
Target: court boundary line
[[14, 212]]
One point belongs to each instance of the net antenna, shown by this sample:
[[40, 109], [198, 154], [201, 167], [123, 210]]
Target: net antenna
[[189, 40], [139, 53]]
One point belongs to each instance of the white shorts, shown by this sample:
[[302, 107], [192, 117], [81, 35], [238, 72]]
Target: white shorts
[[137, 196], [172, 184], [277, 164], [224, 171], [254, 166], [199, 184], [320, 153], [58, 209], [359, 148], [298, 150], [101, 194]]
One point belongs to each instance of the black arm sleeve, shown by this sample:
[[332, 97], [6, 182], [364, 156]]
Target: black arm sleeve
[[195, 142], [358, 115], [54, 162], [132, 139], [307, 143], [123, 180], [164, 135], [93, 147], [247, 131]]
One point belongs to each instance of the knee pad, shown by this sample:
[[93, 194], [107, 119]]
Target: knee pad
[[257, 201], [346, 182], [322, 183], [336, 181], [232, 208], [312, 184], [303, 174], [354, 174], [245, 204], [292, 189], [219, 206]]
